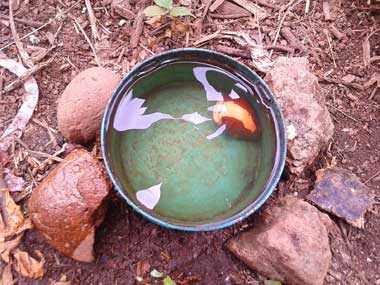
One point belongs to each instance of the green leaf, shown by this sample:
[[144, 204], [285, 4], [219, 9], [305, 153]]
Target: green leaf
[[154, 10], [164, 3], [272, 282], [179, 11], [156, 274], [169, 281]]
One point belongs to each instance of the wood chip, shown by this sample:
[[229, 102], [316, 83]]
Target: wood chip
[[366, 52], [138, 27], [256, 10], [216, 4], [326, 10], [233, 51]]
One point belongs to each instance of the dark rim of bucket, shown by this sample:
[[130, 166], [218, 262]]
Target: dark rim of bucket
[[224, 62]]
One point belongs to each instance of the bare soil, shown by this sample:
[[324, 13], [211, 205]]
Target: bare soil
[[125, 240]]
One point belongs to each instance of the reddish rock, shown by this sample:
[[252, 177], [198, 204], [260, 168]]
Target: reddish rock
[[291, 245], [340, 192], [81, 107], [70, 203], [307, 118]]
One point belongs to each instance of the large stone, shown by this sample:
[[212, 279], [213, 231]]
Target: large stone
[[81, 107], [307, 119], [290, 246], [70, 203], [341, 193]]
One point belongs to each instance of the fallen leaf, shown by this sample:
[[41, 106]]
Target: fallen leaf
[[27, 108], [156, 274], [7, 246], [14, 183], [12, 224], [271, 282], [366, 52], [28, 266], [154, 22], [168, 281], [7, 278]]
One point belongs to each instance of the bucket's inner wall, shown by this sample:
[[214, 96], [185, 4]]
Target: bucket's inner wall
[[203, 180]]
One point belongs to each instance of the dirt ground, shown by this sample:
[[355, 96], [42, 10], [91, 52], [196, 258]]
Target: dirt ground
[[125, 239]]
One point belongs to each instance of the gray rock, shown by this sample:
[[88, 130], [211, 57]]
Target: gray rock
[[290, 246], [340, 192], [308, 121]]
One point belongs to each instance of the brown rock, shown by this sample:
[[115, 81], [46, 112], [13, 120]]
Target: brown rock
[[308, 121], [70, 203], [291, 246], [340, 192], [81, 106]]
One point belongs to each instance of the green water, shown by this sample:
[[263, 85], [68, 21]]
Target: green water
[[203, 176]]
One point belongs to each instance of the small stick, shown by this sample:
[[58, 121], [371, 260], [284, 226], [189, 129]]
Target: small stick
[[269, 5], [373, 93], [216, 5], [307, 7], [49, 156], [32, 23], [206, 38], [279, 28], [330, 47], [228, 16], [281, 47], [19, 81], [138, 27], [344, 114], [88, 41], [373, 176], [24, 55], [92, 18], [292, 40]]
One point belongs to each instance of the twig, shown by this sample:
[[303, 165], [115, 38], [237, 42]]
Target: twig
[[373, 93], [206, 38], [228, 16], [269, 5], [345, 114], [341, 82], [216, 4], [330, 47], [307, 7], [138, 27], [279, 28], [372, 177], [32, 23], [92, 18], [282, 48], [49, 156], [292, 40], [24, 55], [88, 40], [19, 81]]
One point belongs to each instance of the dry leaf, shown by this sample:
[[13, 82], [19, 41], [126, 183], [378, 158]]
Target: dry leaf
[[7, 246], [27, 108], [12, 224], [179, 27], [154, 22], [7, 278], [28, 266], [14, 183], [366, 52]]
